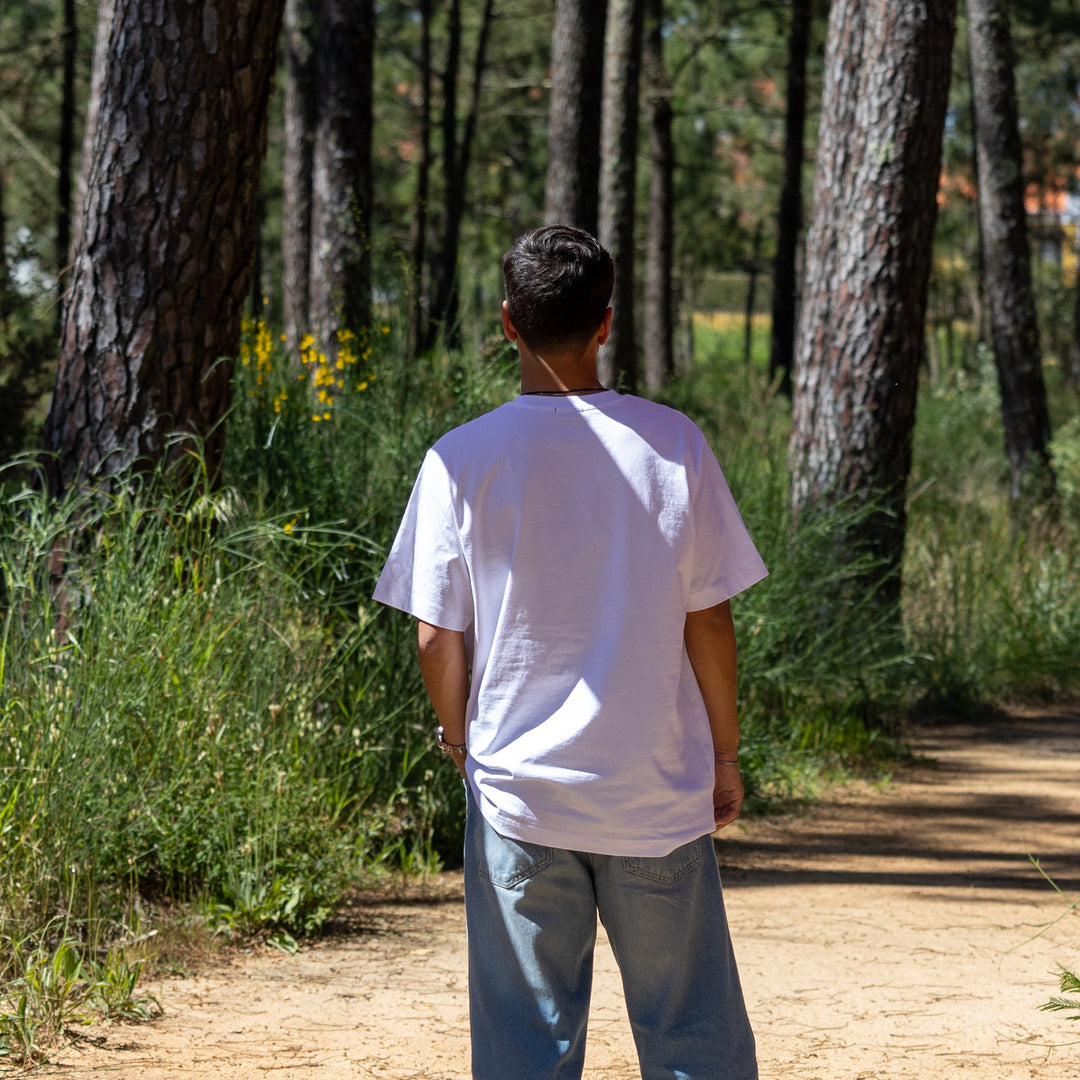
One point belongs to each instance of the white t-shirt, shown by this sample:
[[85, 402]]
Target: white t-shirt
[[568, 537]]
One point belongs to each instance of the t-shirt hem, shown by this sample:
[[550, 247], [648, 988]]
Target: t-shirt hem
[[626, 845], [432, 616], [731, 586]]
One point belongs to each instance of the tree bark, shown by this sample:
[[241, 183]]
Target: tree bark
[[861, 331], [458, 154], [341, 178], [752, 272], [789, 219], [1006, 258], [1073, 374], [161, 252], [301, 114], [419, 227], [622, 74], [659, 259], [572, 192], [66, 149]]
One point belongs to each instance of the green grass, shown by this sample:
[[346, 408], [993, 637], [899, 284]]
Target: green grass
[[200, 705]]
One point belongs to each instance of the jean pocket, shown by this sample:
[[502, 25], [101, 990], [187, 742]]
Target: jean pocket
[[506, 862], [665, 869]]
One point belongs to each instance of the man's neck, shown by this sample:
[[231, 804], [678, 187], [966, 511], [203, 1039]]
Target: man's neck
[[558, 374]]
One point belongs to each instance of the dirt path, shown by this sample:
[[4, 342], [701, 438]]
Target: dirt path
[[889, 934]]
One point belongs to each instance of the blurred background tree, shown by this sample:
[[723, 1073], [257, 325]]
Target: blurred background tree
[[472, 121]]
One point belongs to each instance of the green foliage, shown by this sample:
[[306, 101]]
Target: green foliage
[[1065, 455], [182, 713], [991, 602], [27, 368], [1069, 983], [53, 979], [199, 701]]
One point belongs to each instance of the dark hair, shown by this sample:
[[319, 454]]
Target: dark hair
[[558, 283]]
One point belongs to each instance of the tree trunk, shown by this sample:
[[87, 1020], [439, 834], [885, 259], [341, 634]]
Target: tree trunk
[[1073, 374], [1006, 259], [659, 306], [618, 156], [572, 193], [301, 33], [161, 252], [418, 229], [458, 155], [4, 281], [67, 149], [789, 219], [861, 340], [341, 178], [752, 272]]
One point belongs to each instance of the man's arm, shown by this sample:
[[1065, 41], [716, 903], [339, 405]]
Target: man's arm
[[710, 644], [446, 676]]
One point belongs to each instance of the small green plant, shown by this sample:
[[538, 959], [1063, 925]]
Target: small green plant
[[1069, 983], [113, 992], [52, 982], [19, 1032]]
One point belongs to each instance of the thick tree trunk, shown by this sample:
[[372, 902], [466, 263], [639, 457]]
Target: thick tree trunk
[[659, 304], [67, 148], [458, 156], [341, 172], [622, 74], [161, 253], [1006, 259], [301, 35], [789, 219], [861, 330], [419, 227], [572, 194]]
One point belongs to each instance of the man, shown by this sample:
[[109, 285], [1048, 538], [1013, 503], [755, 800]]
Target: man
[[570, 558]]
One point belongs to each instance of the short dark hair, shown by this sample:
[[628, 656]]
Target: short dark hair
[[558, 283]]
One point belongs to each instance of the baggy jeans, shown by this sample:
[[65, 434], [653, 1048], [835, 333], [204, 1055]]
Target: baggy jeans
[[531, 917]]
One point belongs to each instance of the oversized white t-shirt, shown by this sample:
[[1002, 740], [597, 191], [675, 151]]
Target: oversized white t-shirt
[[568, 537]]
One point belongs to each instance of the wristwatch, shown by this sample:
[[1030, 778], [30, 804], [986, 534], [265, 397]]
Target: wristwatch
[[453, 749]]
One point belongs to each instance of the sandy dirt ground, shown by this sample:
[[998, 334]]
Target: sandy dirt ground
[[891, 932]]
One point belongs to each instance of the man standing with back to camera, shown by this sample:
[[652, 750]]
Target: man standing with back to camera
[[570, 558]]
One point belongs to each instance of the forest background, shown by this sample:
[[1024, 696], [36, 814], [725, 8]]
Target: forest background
[[202, 715]]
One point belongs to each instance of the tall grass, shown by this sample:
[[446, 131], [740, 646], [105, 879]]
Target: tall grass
[[992, 597], [200, 703]]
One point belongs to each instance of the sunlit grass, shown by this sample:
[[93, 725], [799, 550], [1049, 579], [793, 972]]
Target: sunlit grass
[[200, 705]]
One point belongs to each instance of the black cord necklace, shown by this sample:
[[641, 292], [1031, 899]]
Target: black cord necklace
[[563, 393]]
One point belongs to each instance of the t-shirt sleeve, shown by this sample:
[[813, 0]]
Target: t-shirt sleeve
[[426, 573], [725, 559]]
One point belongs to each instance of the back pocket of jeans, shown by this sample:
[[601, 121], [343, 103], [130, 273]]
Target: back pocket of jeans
[[665, 869], [506, 862]]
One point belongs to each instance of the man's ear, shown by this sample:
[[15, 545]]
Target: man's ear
[[605, 328], [508, 326]]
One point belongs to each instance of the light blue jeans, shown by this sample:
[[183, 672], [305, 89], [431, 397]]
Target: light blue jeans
[[531, 916]]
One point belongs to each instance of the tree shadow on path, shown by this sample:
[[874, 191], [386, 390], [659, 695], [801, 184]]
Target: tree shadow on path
[[981, 802]]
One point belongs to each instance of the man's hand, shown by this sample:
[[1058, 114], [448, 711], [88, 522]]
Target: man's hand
[[727, 793]]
